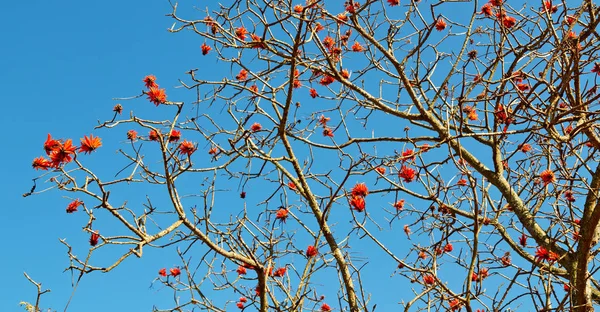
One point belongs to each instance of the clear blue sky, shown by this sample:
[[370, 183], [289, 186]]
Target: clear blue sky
[[61, 63]]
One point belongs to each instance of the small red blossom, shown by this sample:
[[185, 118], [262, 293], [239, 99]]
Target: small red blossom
[[356, 47], [256, 127], [41, 163], [399, 205], [242, 75], [523, 240], [240, 305], [566, 287], [522, 86], [150, 82], [428, 279], [157, 96], [462, 182], [422, 254], [570, 20], [187, 147], [279, 272], [296, 83], [328, 42], [380, 170], [281, 214], [324, 120], [162, 272], [313, 93], [326, 80], [213, 150], [487, 10], [342, 17], [94, 238], [505, 260], [474, 277], [318, 27], [257, 42], [569, 196], [174, 272], [325, 307], [547, 177], [440, 24], [90, 144], [407, 173], [174, 136], [407, 230], [243, 299], [525, 148], [131, 135], [360, 189], [577, 221], [243, 195], [358, 203], [72, 206], [292, 185], [345, 74], [448, 247], [311, 251], [241, 270], [484, 273], [153, 135], [254, 88], [298, 8], [63, 153], [508, 21], [496, 3], [205, 48], [51, 144], [393, 2], [241, 33], [118, 109], [408, 155], [549, 7], [455, 304], [327, 132], [596, 68]]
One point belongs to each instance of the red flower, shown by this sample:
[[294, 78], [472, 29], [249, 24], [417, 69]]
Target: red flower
[[428, 279], [345, 74], [311, 251], [243, 195], [508, 21], [205, 49], [422, 254], [174, 136], [570, 19], [484, 273], [549, 7], [254, 88], [318, 27], [313, 93], [328, 42], [356, 47], [131, 135], [90, 144], [487, 10], [157, 96], [242, 75], [243, 299], [407, 173], [213, 150], [174, 272], [241, 32], [448, 248], [323, 120], [505, 259], [240, 305], [298, 8], [162, 272], [523, 240], [408, 154], [150, 81], [153, 135], [296, 83], [51, 144], [326, 80], [118, 109], [569, 196], [360, 189], [327, 132], [342, 17], [358, 203], [292, 185], [72, 207], [393, 2], [256, 127], [440, 24], [496, 2], [522, 86], [94, 238], [257, 42], [596, 68], [279, 272], [380, 170], [281, 214], [455, 304], [325, 307], [62, 153], [566, 287], [474, 277], [407, 229], [547, 177], [41, 163], [241, 270], [462, 182], [187, 147], [525, 148], [399, 205]]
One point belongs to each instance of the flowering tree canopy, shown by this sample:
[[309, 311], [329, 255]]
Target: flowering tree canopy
[[448, 149]]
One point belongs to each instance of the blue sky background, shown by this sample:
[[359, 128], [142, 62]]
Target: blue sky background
[[61, 63]]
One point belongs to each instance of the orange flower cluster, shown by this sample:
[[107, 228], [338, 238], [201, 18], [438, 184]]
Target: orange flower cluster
[[155, 95], [357, 199], [61, 153]]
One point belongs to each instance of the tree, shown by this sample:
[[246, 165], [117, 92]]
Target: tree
[[456, 151]]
